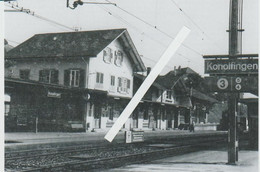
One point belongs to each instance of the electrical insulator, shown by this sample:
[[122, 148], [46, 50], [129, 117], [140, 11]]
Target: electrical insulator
[[80, 2]]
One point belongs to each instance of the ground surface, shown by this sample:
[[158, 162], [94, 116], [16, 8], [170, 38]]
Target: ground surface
[[202, 161]]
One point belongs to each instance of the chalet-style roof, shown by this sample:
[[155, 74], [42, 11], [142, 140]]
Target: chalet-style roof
[[74, 44], [181, 78], [142, 77], [202, 96], [172, 78]]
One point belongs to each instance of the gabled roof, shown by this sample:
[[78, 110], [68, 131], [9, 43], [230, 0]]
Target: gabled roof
[[7, 47], [155, 84], [74, 44], [171, 80], [201, 96], [177, 78]]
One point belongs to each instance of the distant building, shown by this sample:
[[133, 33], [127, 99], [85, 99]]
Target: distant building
[[174, 101], [191, 97]]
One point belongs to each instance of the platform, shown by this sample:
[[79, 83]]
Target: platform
[[27, 139], [202, 161]]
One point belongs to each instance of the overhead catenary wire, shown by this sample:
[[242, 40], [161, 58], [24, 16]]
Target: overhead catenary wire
[[194, 23], [137, 29], [29, 12], [154, 27]]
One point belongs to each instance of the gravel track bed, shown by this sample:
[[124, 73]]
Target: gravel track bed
[[96, 154]]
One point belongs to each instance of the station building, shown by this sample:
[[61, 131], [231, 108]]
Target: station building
[[70, 80], [78, 81]]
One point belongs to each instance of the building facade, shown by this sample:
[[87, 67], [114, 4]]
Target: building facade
[[79, 80]]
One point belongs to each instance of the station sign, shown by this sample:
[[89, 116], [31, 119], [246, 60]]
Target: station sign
[[231, 84], [53, 94], [134, 136], [231, 66]]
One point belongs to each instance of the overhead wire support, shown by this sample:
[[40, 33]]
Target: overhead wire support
[[80, 2], [28, 11]]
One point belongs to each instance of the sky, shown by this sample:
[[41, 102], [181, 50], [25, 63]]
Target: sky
[[152, 25]]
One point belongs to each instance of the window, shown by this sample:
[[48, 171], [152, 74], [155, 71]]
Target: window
[[7, 109], [74, 78], [99, 78], [168, 94], [49, 76], [118, 58], [128, 84], [25, 74], [123, 85], [112, 83], [107, 55]]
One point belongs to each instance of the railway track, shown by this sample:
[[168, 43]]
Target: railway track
[[51, 152], [111, 156]]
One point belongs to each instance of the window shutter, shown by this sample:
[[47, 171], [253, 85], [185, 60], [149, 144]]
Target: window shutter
[[119, 82], [128, 83], [122, 56], [67, 77], [55, 77], [97, 77], [82, 78], [101, 78], [40, 75]]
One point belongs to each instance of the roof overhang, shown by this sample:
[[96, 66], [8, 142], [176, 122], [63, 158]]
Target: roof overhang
[[132, 51], [249, 101], [201, 96]]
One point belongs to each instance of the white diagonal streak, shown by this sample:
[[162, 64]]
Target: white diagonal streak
[[165, 58]]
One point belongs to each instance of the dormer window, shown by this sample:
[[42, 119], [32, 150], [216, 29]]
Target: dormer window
[[118, 58], [107, 55]]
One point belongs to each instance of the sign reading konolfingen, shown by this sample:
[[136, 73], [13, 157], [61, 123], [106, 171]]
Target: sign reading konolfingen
[[238, 66]]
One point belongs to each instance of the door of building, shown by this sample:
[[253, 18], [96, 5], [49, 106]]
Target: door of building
[[97, 116]]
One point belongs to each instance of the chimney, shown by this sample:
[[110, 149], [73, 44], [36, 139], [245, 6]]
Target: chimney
[[148, 70]]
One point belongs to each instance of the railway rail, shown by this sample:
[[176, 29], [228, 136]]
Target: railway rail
[[105, 156]]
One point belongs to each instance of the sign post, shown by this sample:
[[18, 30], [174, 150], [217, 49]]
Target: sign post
[[232, 133], [229, 72]]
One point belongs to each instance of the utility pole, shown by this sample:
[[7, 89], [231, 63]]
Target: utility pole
[[232, 100]]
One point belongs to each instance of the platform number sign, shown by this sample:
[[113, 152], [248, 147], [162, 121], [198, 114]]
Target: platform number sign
[[232, 84], [238, 83], [222, 83]]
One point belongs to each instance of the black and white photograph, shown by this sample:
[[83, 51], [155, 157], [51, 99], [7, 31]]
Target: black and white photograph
[[129, 85]]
